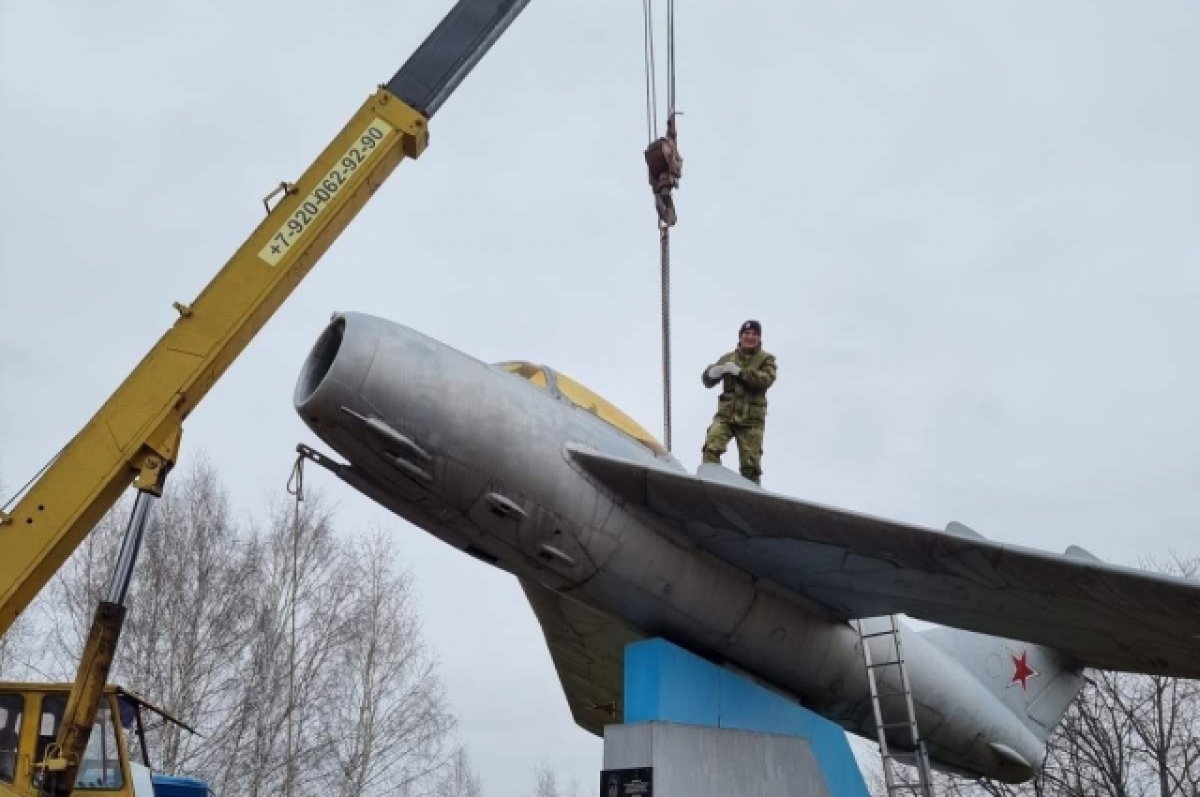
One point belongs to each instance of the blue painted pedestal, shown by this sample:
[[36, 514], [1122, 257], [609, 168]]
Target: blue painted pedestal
[[766, 744]]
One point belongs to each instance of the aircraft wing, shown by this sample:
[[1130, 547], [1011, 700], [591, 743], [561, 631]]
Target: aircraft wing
[[587, 648], [1103, 615]]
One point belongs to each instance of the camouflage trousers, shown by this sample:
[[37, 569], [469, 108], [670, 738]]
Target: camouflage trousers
[[749, 443]]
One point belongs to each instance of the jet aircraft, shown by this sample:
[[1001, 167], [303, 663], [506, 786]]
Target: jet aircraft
[[613, 541]]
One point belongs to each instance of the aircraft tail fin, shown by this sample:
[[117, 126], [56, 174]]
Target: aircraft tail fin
[[1036, 683]]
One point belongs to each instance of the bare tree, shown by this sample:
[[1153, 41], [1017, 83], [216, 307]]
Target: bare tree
[[186, 617], [287, 669], [389, 727], [295, 651], [337, 692], [547, 782], [459, 779], [15, 647]]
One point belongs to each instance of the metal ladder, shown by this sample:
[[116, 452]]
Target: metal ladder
[[919, 757]]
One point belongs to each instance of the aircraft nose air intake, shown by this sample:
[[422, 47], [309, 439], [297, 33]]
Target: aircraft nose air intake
[[319, 361], [336, 367]]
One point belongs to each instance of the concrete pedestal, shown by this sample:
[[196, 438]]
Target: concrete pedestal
[[707, 732]]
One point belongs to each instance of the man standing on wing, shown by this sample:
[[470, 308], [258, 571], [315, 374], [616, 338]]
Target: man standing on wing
[[745, 374]]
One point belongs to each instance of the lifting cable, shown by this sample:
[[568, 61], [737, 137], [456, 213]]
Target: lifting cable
[[295, 488], [666, 167]]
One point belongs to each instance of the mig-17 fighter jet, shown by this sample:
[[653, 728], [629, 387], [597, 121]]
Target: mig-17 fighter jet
[[613, 541]]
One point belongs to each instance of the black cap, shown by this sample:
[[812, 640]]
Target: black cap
[[751, 324]]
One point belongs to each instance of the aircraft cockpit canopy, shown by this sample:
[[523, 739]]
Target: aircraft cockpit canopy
[[565, 388]]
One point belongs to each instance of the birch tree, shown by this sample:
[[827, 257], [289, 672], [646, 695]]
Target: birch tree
[[186, 620], [15, 646], [459, 779], [388, 728], [294, 648], [547, 782]]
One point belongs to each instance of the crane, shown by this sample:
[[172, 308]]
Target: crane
[[135, 436]]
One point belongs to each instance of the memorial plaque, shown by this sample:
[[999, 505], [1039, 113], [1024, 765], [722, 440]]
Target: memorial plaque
[[627, 782]]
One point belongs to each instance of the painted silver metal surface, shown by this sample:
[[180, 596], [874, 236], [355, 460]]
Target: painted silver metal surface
[[613, 541]]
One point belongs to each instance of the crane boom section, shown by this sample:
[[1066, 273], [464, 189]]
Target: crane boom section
[[135, 435]]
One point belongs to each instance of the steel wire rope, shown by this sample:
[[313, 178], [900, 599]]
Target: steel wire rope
[[650, 70], [665, 238], [295, 487], [664, 235], [670, 58], [41, 471]]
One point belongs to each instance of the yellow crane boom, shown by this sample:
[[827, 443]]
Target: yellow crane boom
[[135, 436]]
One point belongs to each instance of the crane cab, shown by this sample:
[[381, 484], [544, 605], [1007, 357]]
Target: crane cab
[[30, 716]]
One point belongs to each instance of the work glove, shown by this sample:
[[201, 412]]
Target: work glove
[[715, 371], [733, 369]]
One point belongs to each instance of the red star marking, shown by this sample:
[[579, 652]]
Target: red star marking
[[1022, 672]]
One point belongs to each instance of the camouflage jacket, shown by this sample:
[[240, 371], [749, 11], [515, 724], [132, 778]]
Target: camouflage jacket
[[743, 398]]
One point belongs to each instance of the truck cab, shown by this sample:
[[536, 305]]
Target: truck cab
[[30, 716]]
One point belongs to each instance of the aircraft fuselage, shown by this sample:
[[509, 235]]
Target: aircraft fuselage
[[479, 457]]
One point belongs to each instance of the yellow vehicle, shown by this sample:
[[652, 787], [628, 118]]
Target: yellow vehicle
[[31, 716], [135, 436]]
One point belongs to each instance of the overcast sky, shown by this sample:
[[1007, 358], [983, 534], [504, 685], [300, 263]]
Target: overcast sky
[[970, 231]]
